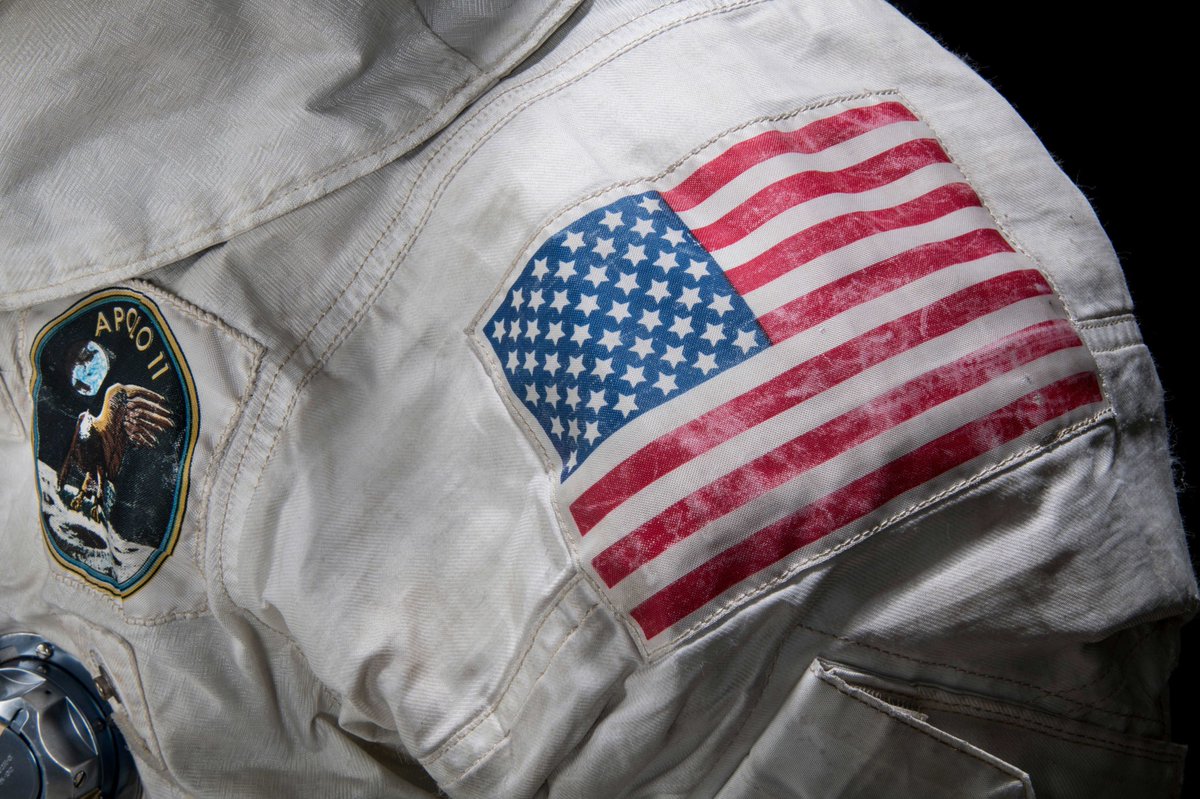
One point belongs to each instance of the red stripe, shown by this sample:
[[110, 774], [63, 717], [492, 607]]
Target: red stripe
[[879, 170], [833, 234], [878, 279], [775, 542], [811, 138], [827, 441], [797, 385]]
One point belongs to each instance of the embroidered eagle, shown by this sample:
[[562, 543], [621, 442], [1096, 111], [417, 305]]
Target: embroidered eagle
[[131, 416]]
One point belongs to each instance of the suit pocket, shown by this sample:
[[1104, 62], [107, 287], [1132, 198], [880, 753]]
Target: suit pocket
[[848, 733]]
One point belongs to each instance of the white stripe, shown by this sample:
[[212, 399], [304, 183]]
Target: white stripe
[[768, 364], [861, 254], [800, 120], [829, 546], [829, 206], [750, 444], [832, 159], [847, 467]]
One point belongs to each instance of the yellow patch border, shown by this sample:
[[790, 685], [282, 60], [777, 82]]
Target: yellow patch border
[[185, 479]]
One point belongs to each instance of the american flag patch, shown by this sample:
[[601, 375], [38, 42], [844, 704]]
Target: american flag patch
[[806, 329]]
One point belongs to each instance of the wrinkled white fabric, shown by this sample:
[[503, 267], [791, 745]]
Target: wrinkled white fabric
[[373, 595]]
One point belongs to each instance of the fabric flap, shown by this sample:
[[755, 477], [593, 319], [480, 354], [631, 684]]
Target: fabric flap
[[115, 160]]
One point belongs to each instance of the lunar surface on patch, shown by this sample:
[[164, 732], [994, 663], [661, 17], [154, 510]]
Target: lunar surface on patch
[[88, 542]]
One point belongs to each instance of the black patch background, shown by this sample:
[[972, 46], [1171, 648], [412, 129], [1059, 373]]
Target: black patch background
[[146, 484]]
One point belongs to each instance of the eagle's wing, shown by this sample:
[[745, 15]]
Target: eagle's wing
[[131, 415]]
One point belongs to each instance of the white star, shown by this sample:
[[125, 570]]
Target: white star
[[588, 304], [513, 361], [572, 398], [626, 404], [610, 339], [575, 368], [552, 395], [674, 356], [643, 227], [593, 429], [627, 283], [581, 334], [573, 241], [706, 362], [674, 236], [643, 347], [531, 329], [721, 303], [514, 328], [573, 428], [619, 312], [698, 269], [713, 334], [531, 394], [535, 300], [634, 375], [551, 363], [666, 384], [572, 461], [658, 290], [690, 297], [666, 260], [596, 403], [604, 247], [498, 330], [560, 300], [518, 300], [555, 332], [746, 340], [612, 220], [540, 268], [530, 362], [650, 205], [565, 269], [649, 320], [602, 369], [682, 326], [556, 427], [597, 275], [635, 254]]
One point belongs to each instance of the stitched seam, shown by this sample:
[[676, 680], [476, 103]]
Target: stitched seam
[[908, 722], [1106, 321], [572, 546], [404, 248], [77, 584], [961, 485], [1142, 636], [256, 352], [274, 197], [1013, 720], [976, 186], [10, 405], [750, 711], [969, 672], [488, 711], [479, 760], [495, 371]]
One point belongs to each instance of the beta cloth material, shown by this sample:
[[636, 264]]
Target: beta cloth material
[[707, 398]]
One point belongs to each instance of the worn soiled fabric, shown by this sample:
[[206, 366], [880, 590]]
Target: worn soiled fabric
[[914, 535]]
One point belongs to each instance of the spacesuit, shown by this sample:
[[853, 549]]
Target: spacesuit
[[694, 398]]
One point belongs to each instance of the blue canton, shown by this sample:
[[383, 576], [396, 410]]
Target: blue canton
[[614, 315]]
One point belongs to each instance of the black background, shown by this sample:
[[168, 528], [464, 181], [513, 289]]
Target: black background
[[1096, 86]]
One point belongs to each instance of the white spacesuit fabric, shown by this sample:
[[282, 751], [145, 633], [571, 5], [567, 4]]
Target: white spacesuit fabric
[[701, 398]]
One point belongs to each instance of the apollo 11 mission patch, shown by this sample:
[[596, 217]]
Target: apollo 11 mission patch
[[116, 419]]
